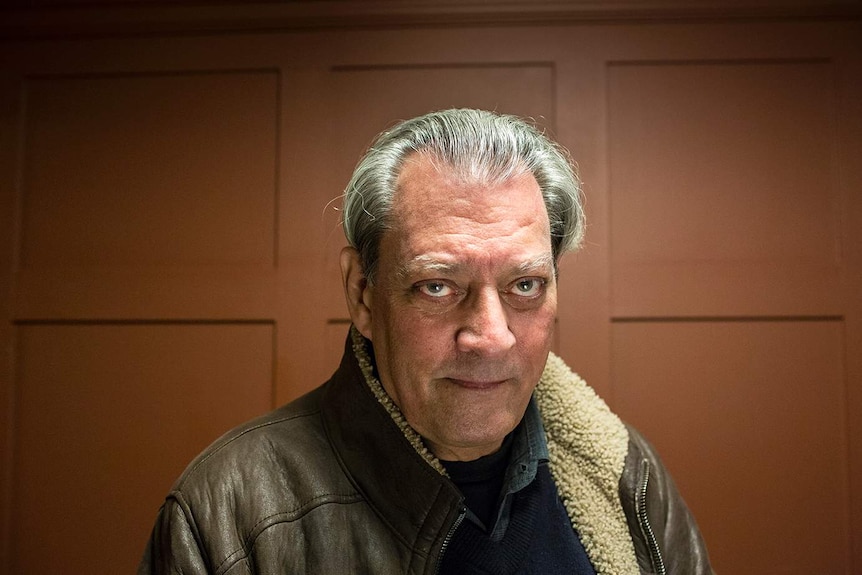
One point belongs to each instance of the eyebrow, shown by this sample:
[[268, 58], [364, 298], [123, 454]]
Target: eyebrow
[[427, 263], [543, 262]]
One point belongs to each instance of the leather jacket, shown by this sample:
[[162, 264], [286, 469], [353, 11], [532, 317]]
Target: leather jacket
[[330, 484]]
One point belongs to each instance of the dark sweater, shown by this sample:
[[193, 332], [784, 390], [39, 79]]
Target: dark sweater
[[538, 540]]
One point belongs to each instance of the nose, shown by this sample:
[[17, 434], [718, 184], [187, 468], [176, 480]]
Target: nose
[[485, 327]]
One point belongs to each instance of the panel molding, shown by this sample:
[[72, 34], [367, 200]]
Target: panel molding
[[107, 414], [75, 165], [720, 204], [762, 401], [78, 18], [731, 319], [160, 293]]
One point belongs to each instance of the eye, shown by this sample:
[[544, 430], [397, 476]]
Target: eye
[[527, 287], [435, 289]]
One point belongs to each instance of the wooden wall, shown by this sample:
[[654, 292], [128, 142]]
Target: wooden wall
[[169, 183]]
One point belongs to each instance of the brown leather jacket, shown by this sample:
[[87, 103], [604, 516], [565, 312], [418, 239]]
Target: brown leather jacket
[[329, 484]]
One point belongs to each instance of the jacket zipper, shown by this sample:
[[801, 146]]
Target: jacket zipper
[[643, 521], [461, 515]]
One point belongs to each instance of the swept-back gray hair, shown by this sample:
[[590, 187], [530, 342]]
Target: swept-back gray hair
[[479, 146]]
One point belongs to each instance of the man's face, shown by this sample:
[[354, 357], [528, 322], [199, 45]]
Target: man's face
[[463, 305]]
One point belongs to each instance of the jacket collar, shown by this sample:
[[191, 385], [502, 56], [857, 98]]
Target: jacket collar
[[384, 457]]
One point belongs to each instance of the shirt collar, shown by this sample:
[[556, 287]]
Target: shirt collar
[[528, 450]]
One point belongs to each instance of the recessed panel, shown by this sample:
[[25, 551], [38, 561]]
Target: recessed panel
[[150, 170], [722, 177], [107, 416], [751, 419]]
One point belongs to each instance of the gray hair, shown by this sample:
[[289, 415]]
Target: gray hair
[[479, 146]]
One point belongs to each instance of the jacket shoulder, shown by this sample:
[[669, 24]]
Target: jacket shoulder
[[297, 421], [274, 468]]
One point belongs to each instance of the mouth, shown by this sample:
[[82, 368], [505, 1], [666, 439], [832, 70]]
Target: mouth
[[476, 384]]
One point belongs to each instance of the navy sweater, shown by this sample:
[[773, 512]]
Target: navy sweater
[[538, 540]]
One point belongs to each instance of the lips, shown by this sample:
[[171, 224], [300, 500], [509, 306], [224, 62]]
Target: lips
[[477, 384]]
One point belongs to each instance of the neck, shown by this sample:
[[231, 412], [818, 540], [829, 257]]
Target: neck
[[462, 453]]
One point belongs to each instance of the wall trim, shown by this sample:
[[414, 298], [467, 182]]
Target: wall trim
[[117, 18]]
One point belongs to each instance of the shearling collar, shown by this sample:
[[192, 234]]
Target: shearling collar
[[588, 446]]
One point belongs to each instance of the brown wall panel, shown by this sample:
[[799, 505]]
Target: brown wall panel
[[9, 115], [150, 169], [851, 151], [751, 419], [152, 293], [107, 416], [724, 198]]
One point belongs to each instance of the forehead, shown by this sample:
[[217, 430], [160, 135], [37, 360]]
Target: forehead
[[435, 210], [426, 183]]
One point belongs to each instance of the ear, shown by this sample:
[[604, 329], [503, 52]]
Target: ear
[[356, 290]]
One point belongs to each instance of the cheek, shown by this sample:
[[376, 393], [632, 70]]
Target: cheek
[[535, 325], [535, 337], [412, 341], [423, 342]]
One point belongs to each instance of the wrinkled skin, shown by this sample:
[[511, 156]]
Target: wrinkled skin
[[462, 307]]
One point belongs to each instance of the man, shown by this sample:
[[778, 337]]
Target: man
[[449, 440]]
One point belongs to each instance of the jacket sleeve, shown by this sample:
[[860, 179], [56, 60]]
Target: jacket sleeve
[[666, 536], [173, 546]]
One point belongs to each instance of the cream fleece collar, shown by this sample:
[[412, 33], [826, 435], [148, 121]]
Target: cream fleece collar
[[587, 445]]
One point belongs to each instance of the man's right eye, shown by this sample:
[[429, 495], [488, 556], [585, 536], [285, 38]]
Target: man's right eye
[[434, 289]]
